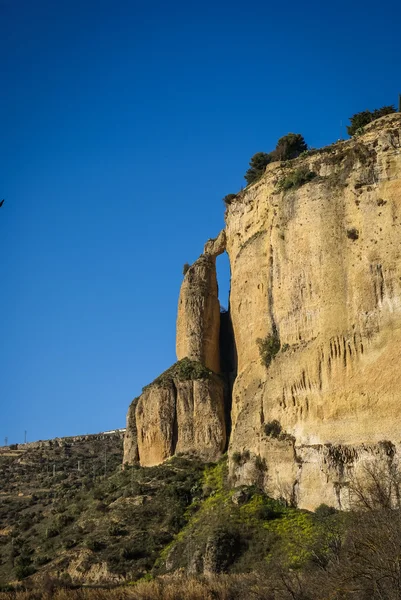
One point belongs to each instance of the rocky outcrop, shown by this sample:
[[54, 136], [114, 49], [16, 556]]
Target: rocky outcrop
[[198, 319], [184, 410], [131, 455], [181, 412], [318, 269]]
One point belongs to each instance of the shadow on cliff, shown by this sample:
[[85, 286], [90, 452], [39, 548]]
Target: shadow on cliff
[[228, 365]]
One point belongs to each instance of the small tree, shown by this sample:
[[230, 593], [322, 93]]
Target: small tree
[[290, 146], [268, 348], [359, 120], [258, 164]]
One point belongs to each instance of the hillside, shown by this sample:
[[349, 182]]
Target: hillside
[[87, 527], [179, 530]]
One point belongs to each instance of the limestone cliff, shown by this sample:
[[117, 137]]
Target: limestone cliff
[[318, 268], [315, 256]]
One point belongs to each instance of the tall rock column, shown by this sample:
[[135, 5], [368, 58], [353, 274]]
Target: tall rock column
[[183, 410], [198, 319]]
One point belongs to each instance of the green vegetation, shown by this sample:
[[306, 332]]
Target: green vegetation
[[183, 520], [185, 268], [273, 429], [296, 179], [293, 145], [352, 234], [183, 370], [122, 519], [359, 120], [268, 348], [290, 146], [255, 533], [257, 166]]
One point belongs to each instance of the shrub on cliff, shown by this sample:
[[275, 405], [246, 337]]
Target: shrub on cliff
[[290, 146], [257, 164], [268, 348], [183, 370], [359, 120], [295, 179]]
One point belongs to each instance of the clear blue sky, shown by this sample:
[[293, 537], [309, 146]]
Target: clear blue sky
[[123, 124]]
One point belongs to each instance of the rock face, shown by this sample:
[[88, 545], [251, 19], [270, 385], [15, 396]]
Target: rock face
[[198, 320], [318, 269], [181, 412], [131, 436], [316, 284]]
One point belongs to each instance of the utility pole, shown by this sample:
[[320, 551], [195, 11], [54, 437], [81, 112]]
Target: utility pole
[[6, 441], [79, 465], [54, 469], [25, 437]]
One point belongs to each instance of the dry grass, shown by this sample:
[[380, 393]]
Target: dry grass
[[234, 587]]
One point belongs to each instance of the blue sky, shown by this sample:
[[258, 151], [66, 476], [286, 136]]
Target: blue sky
[[123, 124]]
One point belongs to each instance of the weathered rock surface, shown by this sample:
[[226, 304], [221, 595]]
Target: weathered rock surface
[[198, 319], [320, 268], [183, 412], [317, 270], [131, 436]]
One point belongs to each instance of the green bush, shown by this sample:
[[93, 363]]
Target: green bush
[[236, 457], [359, 120], [260, 464], [42, 559], [116, 530], [296, 179], [94, 545], [186, 268], [323, 511], [257, 164], [268, 348], [52, 531], [352, 234], [23, 571], [134, 551], [183, 370], [273, 429], [290, 146]]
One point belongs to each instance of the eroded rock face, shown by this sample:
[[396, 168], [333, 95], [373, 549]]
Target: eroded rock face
[[177, 415], [198, 319], [131, 455], [319, 267]]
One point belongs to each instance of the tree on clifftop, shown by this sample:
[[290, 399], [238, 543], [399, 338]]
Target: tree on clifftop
[[359, 120], [258, 164], [290, 146]]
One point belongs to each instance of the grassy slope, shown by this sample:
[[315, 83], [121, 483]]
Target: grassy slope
[[140, 522]]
